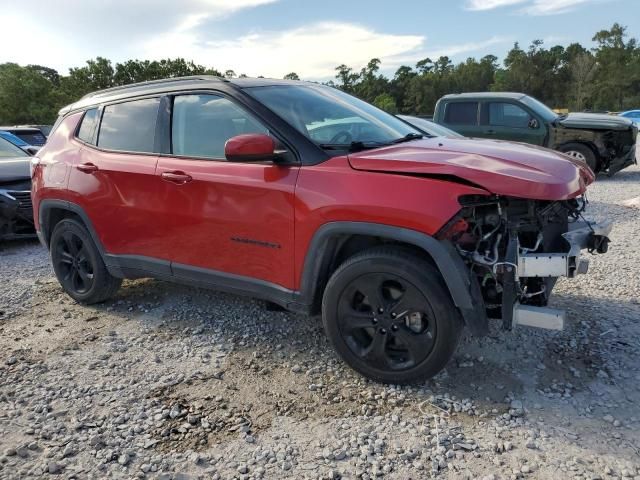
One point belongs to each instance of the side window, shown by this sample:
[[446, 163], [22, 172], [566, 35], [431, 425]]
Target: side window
[[201, 125], [461, 113], [508, 115], [129, 126], [88, 125]]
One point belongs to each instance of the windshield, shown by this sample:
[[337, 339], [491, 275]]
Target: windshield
[[330, 117], [540, 108], [8, 150]]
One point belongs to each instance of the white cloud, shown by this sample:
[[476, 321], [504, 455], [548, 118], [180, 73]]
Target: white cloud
[[553, 7], [83, 29], [195, 30], [313, 51], [490, 4], [449, 50], [532, 7]]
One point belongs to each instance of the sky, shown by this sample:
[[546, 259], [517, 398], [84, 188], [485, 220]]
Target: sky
[[275, 37]]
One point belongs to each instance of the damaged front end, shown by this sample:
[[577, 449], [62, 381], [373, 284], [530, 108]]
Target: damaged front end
[[616, 147], [517, 249], [16, 211]]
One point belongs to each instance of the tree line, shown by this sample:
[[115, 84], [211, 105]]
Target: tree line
[[606, 77]]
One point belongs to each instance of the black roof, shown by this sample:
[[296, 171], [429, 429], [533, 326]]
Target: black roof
[[168, 85]]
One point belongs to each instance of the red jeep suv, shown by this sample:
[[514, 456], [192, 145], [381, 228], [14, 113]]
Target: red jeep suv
[[311, 199]]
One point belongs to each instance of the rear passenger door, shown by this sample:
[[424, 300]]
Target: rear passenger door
[[463, 117], [114, 179], [224, 219]]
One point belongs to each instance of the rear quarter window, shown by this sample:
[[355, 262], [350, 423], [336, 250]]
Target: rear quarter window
[[461, 113], [88, 125], [129, 126]]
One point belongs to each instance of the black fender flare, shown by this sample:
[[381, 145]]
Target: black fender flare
[[462, 285], [44, 210]]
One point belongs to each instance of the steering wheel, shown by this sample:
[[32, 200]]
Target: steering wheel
[[341, 135]]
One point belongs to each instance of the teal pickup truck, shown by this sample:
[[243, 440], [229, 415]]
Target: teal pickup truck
[[606, 143]]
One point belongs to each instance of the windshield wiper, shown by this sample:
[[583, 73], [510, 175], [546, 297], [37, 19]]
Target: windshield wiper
[[407, 138], [354, 146]]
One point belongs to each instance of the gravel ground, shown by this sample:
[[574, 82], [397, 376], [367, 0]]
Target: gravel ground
[[170, 382]]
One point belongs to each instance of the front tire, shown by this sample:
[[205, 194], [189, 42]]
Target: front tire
[[78, 264], [390, 317], [581, 152]]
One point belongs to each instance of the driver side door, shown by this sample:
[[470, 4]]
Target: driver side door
[[224, 219], [509, 121]]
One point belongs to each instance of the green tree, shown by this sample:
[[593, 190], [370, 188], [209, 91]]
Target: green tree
[[617, 74], [346, 78], [291, 76], [26, 95], [386, 102]]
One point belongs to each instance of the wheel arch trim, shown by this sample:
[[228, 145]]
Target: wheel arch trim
[[44, 211], [462, 286]]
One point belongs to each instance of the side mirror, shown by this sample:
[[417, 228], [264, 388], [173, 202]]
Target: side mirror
[[31, 150], [250, 147], [533, 123]]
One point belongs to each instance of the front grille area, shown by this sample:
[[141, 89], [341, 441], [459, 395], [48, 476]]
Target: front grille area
[[24, 199]]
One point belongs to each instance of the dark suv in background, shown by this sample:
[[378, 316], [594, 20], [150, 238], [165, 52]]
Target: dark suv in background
[[607, 143]]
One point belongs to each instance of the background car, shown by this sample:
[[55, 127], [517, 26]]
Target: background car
[[45, 129], [32, 136], [605, 142], [633, 115], [16, 211], [429, 127], [18, 142]]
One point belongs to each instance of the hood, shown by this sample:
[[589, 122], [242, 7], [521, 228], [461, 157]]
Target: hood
[[502, 168], [595, 121], [13, 170]]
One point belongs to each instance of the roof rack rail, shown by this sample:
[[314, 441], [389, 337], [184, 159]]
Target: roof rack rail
[[154, 82]]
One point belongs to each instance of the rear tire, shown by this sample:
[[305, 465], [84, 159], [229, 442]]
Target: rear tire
[[78, 264], [390, 316], [582, 152]]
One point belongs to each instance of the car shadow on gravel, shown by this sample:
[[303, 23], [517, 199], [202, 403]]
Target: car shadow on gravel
[[623, 176], [10, 247]]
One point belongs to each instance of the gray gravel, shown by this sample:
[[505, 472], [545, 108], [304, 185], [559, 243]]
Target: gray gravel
[[170, 382]]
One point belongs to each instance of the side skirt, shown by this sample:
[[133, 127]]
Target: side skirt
[[135, 266]]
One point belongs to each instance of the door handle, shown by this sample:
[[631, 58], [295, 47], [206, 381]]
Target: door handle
[[87, 167], [177, 177]]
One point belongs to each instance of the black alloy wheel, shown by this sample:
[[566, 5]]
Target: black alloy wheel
[[72, 261], [390, 316], [78, 264], [386, 321]]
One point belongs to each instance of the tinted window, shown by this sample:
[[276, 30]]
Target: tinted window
[[508, 115], [85, 132], [129, 126], [462, 113], [201, 125], [32, 137]]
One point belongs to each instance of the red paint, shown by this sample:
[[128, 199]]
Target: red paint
[[249, 146], [223, 201], [505, 168], [198, 212]]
